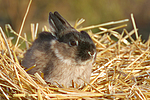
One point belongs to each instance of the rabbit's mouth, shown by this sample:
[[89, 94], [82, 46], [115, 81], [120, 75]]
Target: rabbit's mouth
[[93, 55], [91, 60]]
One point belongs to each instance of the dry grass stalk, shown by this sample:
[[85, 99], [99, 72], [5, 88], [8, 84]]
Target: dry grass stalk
[[24, 19]]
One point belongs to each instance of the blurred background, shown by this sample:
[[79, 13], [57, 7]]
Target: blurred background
[[94, 11]]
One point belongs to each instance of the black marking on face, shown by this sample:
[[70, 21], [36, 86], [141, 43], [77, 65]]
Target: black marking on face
[[85, 47], [71, 38]]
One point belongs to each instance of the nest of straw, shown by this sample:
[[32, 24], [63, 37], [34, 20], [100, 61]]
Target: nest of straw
[[121, 69]]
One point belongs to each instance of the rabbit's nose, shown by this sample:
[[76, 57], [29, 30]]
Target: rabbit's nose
[[93, 53]]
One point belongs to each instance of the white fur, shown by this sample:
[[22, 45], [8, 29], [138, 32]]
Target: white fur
[[59, 56]]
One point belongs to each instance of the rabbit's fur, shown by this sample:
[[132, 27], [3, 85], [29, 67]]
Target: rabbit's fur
[[63, 55]]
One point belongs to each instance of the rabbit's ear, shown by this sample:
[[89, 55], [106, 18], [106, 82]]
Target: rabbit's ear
[[63, 21], [59, 26], [55, 23]]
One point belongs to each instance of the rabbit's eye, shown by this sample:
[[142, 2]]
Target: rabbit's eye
[[73, 43]]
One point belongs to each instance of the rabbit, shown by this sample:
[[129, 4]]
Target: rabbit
[[64, 55]]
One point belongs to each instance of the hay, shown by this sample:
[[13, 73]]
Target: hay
[[121, 69]]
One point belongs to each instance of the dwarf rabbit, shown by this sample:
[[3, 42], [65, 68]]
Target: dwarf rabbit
[[63, 55]]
